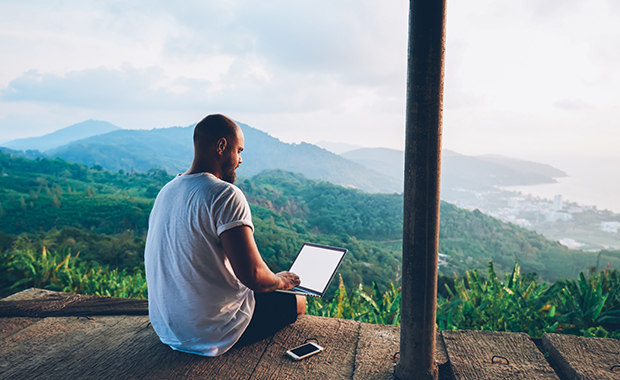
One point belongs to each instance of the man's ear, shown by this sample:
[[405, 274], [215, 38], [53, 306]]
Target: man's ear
[[220, 145]]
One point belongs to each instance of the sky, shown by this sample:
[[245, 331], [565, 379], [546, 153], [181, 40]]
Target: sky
[[524, 78]]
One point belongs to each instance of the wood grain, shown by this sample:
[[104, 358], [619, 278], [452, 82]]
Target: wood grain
[[584, 358], [56, 348], [339, 337], [238, 363], [9, 326], [64, 304], [30, 294], [376, 348], [470, 354]]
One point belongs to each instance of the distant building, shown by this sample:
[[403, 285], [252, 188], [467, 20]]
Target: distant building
[[611, 227], [557, 203], [571, 243], [523, 223], [442, 259], [514, 202], [557, 216]]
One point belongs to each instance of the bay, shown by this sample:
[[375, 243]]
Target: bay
[[591, 181]]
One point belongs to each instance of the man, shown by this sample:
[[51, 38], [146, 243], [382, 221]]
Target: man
[[208, 286]]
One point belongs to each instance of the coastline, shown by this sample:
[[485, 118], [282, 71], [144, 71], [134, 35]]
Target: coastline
[[590, 182]]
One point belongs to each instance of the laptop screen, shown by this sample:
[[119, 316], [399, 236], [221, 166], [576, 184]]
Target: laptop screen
[[316, 265]]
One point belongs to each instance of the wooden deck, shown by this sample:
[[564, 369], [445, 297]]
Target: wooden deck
[[45, 344]]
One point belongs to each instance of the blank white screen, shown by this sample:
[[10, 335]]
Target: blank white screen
[[315, 265]]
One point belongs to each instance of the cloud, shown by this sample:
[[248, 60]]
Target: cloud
[[266, 57], [354, 42], [244, 88], [455, 95], [272, 56], [97, 88], [299, 69], [547, 9], [572, 104]]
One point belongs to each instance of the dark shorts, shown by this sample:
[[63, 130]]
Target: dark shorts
[[272, 312]]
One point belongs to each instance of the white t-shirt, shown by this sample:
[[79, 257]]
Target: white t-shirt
[[196, 303]]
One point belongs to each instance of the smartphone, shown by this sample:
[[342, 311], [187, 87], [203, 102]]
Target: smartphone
[[304, 350]]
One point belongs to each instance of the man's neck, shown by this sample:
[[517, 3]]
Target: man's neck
[[197, 167]]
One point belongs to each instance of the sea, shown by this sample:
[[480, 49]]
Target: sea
[[591, 181]]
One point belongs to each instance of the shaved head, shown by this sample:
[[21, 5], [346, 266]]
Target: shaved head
[[212, 128], [218, 143]]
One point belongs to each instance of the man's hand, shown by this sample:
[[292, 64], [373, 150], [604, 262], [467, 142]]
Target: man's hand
[[288, 280], [249, 266]]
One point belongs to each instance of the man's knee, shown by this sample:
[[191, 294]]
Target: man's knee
[[301, 304]]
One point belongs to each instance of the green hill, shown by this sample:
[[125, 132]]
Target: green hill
[[62, 136], [373, 170], [104, 215], [171, 149]]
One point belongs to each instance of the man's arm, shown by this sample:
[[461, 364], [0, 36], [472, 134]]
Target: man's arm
[[249, 266]]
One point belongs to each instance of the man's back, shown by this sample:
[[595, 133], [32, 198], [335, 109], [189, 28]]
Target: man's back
[[196, 303]]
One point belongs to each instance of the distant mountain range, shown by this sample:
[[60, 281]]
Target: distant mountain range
[[63, 136], [337, 147], [460, 171], [368, 169], [171, 149]]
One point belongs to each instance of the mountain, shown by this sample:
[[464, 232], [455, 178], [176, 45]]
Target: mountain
[[459, 171], [524, 166], [62, 136], [171, 149], [59, 203], [388, 161], [369, 169], [337, 147], [480, 173], [30, 154], [166, 148]]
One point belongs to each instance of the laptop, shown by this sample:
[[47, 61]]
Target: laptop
[[316, 266]]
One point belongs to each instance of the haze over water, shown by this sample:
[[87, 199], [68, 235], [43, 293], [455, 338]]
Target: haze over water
[[590, 181]]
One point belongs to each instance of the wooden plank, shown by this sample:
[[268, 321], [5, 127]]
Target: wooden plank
[[584, 358], [9, 326], [64, 304], [133, 351], [164, 363], [124, 347], [376, 349], [471, 353], [441, 355], [29, 294], [44, 349], [339, 337]]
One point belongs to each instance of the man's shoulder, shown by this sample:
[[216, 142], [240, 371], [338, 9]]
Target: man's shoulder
[[219, 190], [209, 186], [229, 191], [219, 186]]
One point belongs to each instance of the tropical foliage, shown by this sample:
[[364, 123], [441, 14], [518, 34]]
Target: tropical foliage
[[106, 214], [62, 271], [588, 306], [67, 227]]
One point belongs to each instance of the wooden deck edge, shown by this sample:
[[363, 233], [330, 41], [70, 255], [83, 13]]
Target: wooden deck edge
[[38, 303], [29, 294], [558, 358]]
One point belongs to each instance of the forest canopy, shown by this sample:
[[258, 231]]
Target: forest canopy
[[104, 216]]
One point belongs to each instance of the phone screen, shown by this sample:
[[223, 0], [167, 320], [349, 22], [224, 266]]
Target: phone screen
[[304, 350]]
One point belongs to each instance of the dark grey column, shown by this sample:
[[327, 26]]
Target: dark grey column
[[425, 69]]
